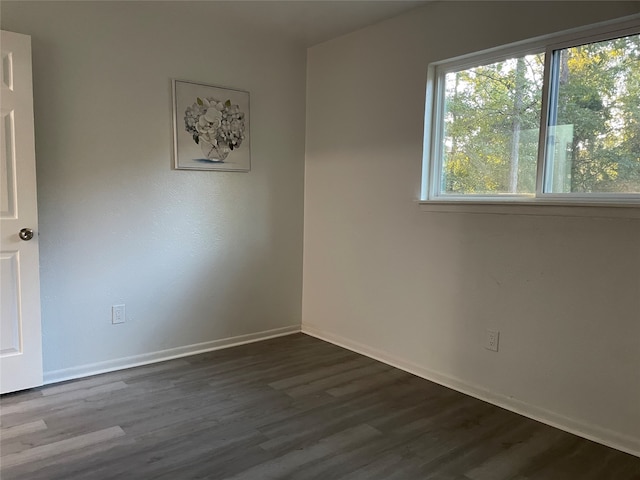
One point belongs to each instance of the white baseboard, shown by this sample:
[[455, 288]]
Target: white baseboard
[[598, 434], [87, 370]]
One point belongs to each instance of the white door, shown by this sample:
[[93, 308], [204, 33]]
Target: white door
[[20, 332]]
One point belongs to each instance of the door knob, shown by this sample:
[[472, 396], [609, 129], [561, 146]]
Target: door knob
[[26, 234]]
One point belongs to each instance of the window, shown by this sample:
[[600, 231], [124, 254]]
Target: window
[[555, 118]]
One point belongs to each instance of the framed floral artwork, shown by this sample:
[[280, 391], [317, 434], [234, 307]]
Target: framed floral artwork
[[210, 127]]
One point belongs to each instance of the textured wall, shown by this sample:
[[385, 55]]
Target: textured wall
[[195, 256], [422, 287]]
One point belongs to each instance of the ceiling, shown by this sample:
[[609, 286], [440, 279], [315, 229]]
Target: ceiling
[[308, 22]]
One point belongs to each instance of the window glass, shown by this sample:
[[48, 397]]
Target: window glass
[[491, 127], [594, 118], [554, 118]]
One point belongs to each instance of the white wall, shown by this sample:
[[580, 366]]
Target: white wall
[[195, 256], [419, 288]]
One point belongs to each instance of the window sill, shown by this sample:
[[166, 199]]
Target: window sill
[[592, 210]]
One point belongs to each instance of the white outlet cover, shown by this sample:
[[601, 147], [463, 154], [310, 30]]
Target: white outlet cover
[[117, 314], [492, 340]]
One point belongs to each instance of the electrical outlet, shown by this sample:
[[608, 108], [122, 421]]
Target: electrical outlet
[[117, 314], [493, 337]]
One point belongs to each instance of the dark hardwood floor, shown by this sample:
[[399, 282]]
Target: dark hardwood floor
[[291, 407]]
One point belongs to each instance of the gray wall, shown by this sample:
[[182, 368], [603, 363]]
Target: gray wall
[[419, 289], [195, 256]]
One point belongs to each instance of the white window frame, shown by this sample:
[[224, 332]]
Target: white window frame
[[433, 124]]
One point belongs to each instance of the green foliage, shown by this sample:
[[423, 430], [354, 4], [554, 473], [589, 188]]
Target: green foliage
[[484, 106], [600, 97], [492, 118]]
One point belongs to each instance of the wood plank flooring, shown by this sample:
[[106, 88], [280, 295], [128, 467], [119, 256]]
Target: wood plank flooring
[[292, 407]]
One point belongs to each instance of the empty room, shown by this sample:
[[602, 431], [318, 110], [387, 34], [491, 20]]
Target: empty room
[[320, 240]]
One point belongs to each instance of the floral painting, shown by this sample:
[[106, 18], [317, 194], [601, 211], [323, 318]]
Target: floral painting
[[211, 127]]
